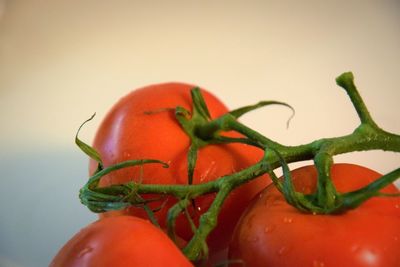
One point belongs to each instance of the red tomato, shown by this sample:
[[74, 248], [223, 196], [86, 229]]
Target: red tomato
[[272, 233], [121, 241], [143, 125]]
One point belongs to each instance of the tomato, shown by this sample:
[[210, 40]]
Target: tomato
[[121, 241], [143, 125], [272, 233]]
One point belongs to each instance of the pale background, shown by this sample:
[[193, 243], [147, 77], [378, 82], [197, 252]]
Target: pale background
[[61, 61]]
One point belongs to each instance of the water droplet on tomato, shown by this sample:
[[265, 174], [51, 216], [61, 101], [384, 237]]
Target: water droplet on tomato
[[126, 154], [85, 251], [233, 168], [283, 251], [396, 238], [271, 200], [287, 220], [208, 172], [397, 206], [252, 238], [266, 200], [250, 221], [269, 228], [369, 256], [317, 263]]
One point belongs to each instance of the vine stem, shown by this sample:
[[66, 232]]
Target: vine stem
[[203, 131]]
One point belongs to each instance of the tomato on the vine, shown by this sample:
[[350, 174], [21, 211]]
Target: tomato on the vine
[[271, 233], [119, 242], [143, 125]]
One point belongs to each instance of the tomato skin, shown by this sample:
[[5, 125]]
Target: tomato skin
[[272, 233], [121, 241], [143, 125]]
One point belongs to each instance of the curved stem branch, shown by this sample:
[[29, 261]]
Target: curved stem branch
[[346, 81], [208, 221]]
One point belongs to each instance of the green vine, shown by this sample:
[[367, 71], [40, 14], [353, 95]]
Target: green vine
[[203, 131]]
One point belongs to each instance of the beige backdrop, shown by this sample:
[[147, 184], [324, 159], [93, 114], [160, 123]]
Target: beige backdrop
[[61, 61]]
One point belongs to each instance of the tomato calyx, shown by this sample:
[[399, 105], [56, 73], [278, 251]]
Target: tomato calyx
[[330, 201], [203, 131], [190, 124], [102, 199]]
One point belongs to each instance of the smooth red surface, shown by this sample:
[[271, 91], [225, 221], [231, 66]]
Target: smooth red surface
[[273, 234], [121, 241], [143, 125]]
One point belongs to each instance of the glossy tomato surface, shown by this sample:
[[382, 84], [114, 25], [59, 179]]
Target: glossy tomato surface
[[273, 234], [143, 125], [121, 241]]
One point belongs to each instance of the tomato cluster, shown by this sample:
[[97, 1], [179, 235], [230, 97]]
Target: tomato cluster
[[258, 229], [143, 125]]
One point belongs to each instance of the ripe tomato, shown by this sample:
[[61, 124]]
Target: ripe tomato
[[272, 233], [120, 242], [143, 125]]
